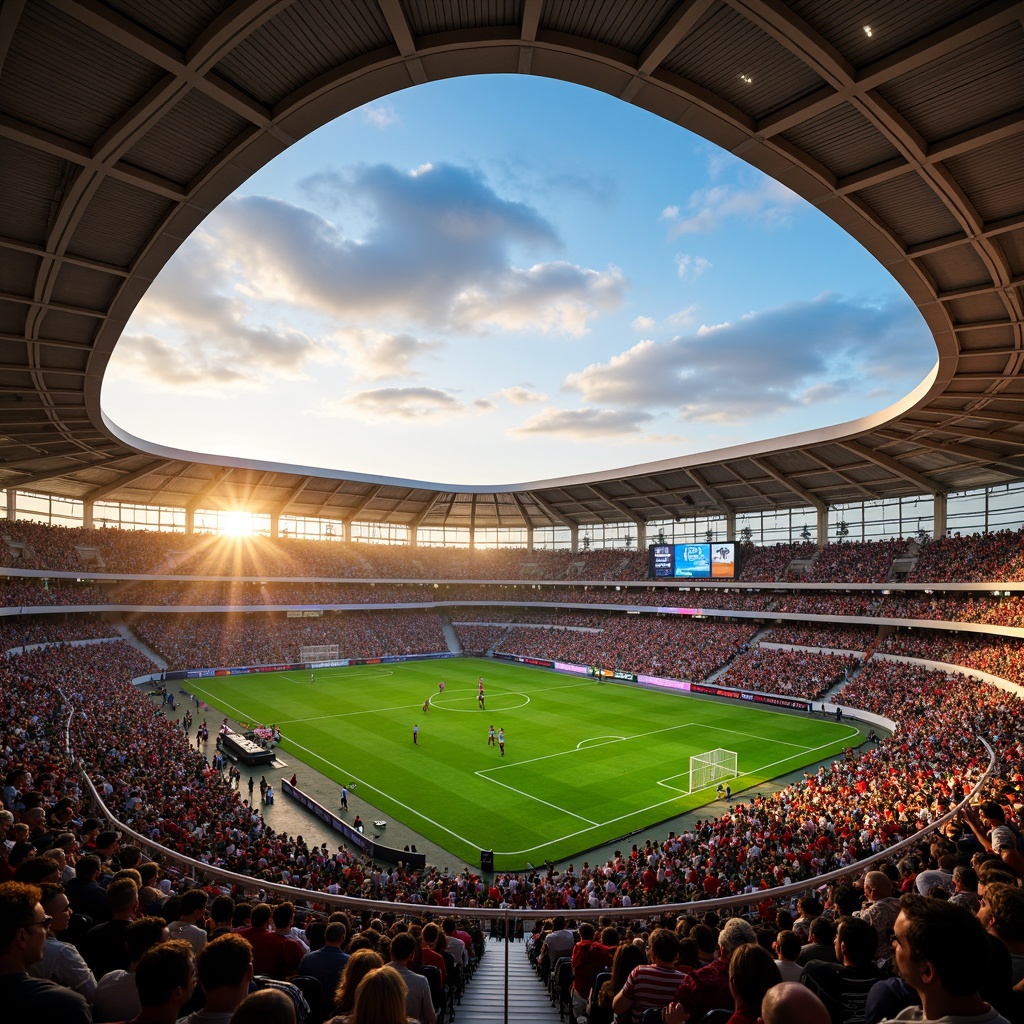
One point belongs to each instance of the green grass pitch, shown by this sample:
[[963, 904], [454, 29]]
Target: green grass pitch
[[585, 763]]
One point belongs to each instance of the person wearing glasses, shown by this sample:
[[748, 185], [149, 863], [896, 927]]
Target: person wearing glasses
[[61, 961], [24, 927]]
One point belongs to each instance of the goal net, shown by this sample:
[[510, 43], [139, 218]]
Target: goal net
[[712, 767], [323, 652]]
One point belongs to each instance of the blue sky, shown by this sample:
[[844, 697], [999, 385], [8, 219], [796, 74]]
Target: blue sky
[[505, 279]]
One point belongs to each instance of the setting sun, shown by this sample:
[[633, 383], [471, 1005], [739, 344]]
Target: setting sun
[[238, 524]]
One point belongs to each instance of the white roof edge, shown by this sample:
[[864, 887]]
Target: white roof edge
[[819, 435]]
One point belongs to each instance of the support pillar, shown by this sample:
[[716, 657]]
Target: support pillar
[[275, 525], [730, 525], [190, 521], [822, 534], [414, 535], [87, 514], [641, 536], [12, 503], [574, 539], [529, 540], [939, 516]]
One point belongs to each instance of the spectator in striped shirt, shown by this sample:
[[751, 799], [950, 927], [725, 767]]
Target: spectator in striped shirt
[[652, 984]]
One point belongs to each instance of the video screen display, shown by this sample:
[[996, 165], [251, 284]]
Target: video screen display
[[717, 561]]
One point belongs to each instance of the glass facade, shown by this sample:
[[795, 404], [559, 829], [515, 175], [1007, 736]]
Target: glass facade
[[981, 511]]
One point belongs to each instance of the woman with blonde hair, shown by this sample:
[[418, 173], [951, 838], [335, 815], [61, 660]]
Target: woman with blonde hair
[[380, 998], [359, 964]]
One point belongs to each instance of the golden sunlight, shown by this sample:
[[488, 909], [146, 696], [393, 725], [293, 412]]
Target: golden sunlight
[[238, 524]]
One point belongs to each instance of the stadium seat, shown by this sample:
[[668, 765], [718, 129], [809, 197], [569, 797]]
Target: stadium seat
[[311, 988]]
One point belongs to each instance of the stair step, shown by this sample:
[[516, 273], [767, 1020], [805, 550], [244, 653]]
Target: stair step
[[484, 1001]]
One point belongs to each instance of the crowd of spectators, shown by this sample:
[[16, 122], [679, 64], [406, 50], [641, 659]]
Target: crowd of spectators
[[26, 544], [157, 783], [770, 563], [824, 634], [26, 630], [998, 656], [788, 672], [196, 640], [975, 558], [36, 593], [652, 645], [856, 561], [478, 638]]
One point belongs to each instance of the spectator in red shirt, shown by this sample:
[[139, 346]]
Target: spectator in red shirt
[[589, 958]]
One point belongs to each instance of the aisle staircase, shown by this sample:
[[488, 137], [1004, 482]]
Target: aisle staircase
[[484, 1001]]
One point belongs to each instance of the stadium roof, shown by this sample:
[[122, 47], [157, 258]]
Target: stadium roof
[[122, 124]]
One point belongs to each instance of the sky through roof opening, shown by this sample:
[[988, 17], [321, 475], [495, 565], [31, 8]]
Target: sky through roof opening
[[502, 279]]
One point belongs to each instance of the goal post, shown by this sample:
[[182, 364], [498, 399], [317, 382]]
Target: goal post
[[321, 652], [712, 767]]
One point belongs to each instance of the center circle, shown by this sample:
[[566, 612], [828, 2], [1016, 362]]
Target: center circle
[[494, 702]]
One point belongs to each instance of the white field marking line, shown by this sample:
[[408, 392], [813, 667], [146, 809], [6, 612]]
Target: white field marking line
[[591, 739], [241, 715], [547, 842], [398, 803], [346, 714], [651, 807], [473, 711], [370, 786], [537, 799]]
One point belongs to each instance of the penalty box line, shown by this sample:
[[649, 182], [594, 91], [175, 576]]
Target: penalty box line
[[485, 773]]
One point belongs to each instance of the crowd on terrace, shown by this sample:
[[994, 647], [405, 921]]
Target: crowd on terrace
[[173, 793], [195, 640], [162, 787], [30, 545], [792, 673]]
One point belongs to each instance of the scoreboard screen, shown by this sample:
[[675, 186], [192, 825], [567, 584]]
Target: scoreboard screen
[[693, 561]]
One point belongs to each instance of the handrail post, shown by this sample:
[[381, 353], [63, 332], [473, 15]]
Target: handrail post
[[506, 964]]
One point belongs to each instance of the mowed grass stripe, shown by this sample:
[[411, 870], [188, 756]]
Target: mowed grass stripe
[[577, 752]]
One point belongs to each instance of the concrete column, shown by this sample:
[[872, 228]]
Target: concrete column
[[574, 539], [822, 537], [275, 525], [190, 521], [12, 503], [414, 536], [730, 525], [87, 510], [529, 539], [939, 517], [641, 536]]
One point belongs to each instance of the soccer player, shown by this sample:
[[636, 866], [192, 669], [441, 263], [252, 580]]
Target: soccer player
[[480, 699], [312, 678], [344, 798], [426, 705], [501, 741], [490, 736], [440, 687], [416, 735]]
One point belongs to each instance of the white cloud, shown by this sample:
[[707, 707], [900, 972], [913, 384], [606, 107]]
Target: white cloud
[[379, 355], [669, 213], [763, 364], [380, 115], [684, 317], [403, 404], [438, 252], [585, 424], [190, 331], [519, 395], [768, 203], [643, 323], [691, 266]]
